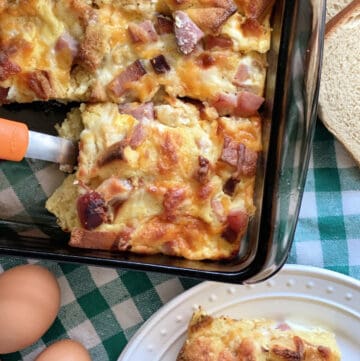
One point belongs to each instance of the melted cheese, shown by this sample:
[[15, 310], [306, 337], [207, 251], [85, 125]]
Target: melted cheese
[[261, 43]]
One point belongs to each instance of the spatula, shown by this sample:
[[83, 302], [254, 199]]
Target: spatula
[[17, 142]]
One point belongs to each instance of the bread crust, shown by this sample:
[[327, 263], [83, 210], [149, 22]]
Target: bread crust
[[340, 133], [341, 18]]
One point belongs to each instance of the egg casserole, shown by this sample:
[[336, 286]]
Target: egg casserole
[[177, 181], [222, 338], [169, 129], [126, 50]]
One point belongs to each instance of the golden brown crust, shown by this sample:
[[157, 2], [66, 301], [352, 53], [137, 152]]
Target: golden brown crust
[[255, 9], [221, 338], [341, 17], [91, 49], [209, 20], [40, 82], [85, 13], [116, 241]]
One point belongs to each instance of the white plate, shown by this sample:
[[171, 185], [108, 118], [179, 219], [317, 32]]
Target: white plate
[[300, 294]]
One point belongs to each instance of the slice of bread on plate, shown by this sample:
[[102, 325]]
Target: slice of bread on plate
[[333, 7], [339, 100]]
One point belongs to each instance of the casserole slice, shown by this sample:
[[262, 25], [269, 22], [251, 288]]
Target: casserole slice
[[167, 177], [121, 50], [222, 338]]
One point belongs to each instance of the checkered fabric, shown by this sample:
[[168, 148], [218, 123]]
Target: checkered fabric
[[328, 229], [103, 308]]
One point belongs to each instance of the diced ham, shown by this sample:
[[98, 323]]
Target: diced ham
[[205, 60], [132, 73], [3, 94], [283, 326], [242, 75], [66, 41], [230, 152], [203, 170], [238, 155], [251, 27], [247, 104], [164, 24], [224, 103], [159, 64], [247, 160], [187, 33], [229, 5], [219, 41], [237, 220], [141, 112], [244, 104], [137, 136], [7, 67], [143, 32], [172, 199], [91, 209]]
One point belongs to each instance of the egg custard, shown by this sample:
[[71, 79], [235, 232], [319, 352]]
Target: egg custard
[[222, 338], [170, 132], [170, 178]]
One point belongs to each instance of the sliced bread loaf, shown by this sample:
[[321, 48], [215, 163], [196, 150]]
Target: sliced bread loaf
[[339, 100], [333, 7]]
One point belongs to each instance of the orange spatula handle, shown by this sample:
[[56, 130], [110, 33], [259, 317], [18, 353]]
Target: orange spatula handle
[[14, 140]]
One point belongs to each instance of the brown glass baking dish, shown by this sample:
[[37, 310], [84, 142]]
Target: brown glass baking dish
[[289, 118]]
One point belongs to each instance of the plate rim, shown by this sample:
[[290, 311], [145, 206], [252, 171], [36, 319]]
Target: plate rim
[[286, 270]]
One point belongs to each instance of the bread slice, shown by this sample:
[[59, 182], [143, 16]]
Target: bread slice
[[339, 100], [333, 7]]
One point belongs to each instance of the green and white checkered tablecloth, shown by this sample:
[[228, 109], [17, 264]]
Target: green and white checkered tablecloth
[[103, 308]]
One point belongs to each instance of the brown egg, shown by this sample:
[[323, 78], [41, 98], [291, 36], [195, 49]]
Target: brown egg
[[29, 303], [65, 350]]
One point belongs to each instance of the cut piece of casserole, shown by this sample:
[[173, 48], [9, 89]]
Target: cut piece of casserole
[[222, 338], [123, 50], [170, 178]]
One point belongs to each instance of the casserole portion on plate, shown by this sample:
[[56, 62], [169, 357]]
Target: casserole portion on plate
[[223, 338]]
